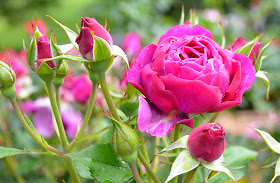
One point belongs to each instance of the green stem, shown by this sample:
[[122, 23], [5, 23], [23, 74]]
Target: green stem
[[175, 136], [58, 120], [29, 129], [57, 96], [87, 117], [156, 160], [72, 170], [147, 166], [63, 137], [107, 95], [214, 116], [135, 173]]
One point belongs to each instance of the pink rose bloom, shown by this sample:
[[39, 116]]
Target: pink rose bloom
[[207, 142], [82, 87], [187, 72]]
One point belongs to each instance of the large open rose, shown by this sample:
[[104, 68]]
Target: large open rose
[[190, 73]]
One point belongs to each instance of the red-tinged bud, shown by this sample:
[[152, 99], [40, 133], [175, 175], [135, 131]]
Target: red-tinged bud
[[207, 142], [94, 41], [43, 48]]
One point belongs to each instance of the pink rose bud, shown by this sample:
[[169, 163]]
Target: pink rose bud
[[44, 51], [41, 48], [94, 40], [207, 142]]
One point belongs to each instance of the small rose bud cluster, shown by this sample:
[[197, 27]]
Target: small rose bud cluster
[[207, 142]]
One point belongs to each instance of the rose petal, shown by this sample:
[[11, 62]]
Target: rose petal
[[159, 123], [181, 30], [253, 55], [97, 29], [193, 96], [134, 75], [162, 98], [237, 43]]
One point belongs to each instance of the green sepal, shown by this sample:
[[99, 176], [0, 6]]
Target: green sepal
[[245, 50], [61, 72], [258, 63], [101, 50], [7, 76], [182, 19], [125, 141], [9, 92], [32, 54], [55, 50], [45, 72], [117, 51], [70, 33]]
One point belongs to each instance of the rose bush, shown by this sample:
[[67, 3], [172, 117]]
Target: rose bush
[[189, 72]]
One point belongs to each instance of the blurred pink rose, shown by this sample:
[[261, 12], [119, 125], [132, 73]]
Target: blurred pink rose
[[30, 25], [81, 88], [132, 45]]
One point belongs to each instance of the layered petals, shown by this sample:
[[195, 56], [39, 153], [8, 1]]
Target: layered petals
[[157, 122]]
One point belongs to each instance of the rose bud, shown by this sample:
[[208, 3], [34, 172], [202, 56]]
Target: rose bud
[[42, 48], [94, 41], [207, 142], [125, 142], [61, 73], [7, 80]]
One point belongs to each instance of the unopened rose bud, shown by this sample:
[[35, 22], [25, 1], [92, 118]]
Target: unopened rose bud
[[207, 142], [94, 41], [7, 80], [61, 72], [125, 142], [42, 48]]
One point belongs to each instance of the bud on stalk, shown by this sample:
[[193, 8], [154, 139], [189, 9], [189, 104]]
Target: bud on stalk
[[125, 142], [207, 142]]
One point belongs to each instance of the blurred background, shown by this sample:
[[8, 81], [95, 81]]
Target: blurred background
[[150, 19]]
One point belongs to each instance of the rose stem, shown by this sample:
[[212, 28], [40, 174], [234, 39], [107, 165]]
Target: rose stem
[[9, 161], [175, 136], [145, 153], [114, 112], [80, 133], [213, 117], [156, 160], [29, 129], [57, 96], [63, 137], [107, 95], [147, 166], [135, 173]]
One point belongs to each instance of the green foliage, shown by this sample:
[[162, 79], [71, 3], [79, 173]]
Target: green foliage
[[101, 163]]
